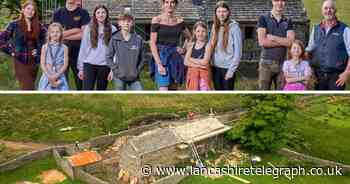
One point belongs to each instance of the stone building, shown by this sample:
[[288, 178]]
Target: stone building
[[172, 145], [246, 12]]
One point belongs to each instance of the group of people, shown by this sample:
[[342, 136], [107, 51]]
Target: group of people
[[98, 52]]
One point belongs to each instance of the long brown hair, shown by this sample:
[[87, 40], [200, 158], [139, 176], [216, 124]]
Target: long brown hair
[[107, 31], [302, 47], [35, 24], [221, 4]]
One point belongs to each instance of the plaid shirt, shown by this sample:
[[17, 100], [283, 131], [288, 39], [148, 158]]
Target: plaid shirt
[[13, 43]]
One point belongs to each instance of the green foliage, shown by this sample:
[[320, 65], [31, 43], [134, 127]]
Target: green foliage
[[2, 147], [264, 126], [12, 5]]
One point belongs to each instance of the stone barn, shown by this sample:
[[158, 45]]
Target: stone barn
[[246, 12], [172, 145]]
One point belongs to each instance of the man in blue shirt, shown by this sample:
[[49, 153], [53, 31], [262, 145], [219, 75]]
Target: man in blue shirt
[[73, 18], [275, 35], [329, 48]]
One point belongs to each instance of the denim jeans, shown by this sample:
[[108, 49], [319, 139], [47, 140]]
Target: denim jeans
[[123, 85]]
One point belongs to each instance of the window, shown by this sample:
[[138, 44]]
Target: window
[[248, 32]]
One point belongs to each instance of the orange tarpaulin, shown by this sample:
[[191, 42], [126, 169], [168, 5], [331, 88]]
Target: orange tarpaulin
[[84, 158]]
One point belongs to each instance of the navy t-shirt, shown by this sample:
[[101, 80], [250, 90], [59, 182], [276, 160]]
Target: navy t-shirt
[[72, 19], [277, 28]]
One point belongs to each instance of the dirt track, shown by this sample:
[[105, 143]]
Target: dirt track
[[23, 145]]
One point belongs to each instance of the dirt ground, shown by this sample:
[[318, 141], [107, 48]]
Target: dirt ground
[[52, 177], [23, 145]]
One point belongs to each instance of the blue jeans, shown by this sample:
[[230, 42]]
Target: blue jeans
[[123, 85]]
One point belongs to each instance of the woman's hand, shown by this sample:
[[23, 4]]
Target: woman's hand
[[161, 69], [180, 50], [227, 76], [110, 76], [34, 52], [81, 75]]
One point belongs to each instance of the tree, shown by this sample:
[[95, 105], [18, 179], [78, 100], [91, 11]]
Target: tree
[[12, 5], [264, 126]]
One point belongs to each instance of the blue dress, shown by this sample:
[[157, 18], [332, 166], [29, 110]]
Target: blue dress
[[54, 57]]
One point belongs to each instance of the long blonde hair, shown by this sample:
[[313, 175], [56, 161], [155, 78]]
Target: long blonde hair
[[51, 26]]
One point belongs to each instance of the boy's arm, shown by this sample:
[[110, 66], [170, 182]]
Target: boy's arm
[[141, 57], [283, 41]]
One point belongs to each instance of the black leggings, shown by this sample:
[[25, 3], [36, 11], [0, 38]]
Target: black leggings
[[95, 73], [219, 79], [327, 81]]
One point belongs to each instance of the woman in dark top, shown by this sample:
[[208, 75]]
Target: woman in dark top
[[23, 39], [165, 32]]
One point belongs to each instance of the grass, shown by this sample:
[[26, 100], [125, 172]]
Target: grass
[[39, 118], [8, 153], [8, 81], [313, 7], [34, 117], [30, 172], [324, 128], [279, 161], [321, 125]]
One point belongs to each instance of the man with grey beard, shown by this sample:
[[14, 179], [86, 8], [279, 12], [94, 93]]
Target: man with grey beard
[[329, 50]]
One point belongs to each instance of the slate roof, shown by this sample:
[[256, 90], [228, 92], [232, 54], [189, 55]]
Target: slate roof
[[161, 138], [250, 10], [144, 9], [199, 128], [154, 140], [242, 10]]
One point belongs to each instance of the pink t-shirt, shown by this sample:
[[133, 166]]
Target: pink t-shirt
[[300, 70]]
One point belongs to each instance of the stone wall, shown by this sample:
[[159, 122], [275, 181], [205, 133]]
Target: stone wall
[[63, 163], [87, 178], [170, 180], [318, 161], [166, 156], [27, 158]]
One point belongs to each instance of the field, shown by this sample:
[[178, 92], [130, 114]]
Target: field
[[322, 127], [39, 117], [320, 123], [31, 172]]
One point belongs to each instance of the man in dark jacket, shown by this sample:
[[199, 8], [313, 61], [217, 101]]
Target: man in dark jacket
[[329, 48]]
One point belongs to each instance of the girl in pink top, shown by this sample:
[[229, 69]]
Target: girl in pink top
[[296, 70]]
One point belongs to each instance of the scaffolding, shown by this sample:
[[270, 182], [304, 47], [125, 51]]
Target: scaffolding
[[47, 9]]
